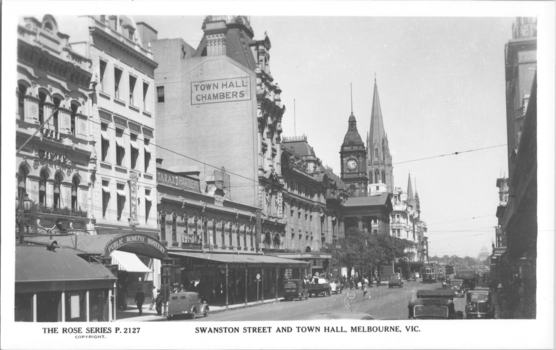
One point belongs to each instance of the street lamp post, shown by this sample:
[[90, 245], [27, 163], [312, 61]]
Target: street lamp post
[[23, 209]]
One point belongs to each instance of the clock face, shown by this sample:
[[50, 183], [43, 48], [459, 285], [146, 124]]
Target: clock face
[[351, 164]]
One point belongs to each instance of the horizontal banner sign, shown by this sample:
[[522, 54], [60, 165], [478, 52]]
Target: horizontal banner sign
[[224, 90]]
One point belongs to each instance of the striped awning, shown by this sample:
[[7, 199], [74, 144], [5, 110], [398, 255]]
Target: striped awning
[[128, 262]]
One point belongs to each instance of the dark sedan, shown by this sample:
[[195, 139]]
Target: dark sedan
[[395, 282]]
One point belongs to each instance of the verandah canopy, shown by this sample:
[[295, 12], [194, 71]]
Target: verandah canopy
[[215, 260]]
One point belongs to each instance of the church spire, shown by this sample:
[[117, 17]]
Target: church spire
[[409, 189]]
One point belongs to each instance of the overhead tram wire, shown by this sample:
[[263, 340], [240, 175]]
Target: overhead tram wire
[[449, 154], [472, 218]]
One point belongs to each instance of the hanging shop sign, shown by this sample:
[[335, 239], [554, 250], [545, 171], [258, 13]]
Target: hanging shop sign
[[135, 238], [223, 90]]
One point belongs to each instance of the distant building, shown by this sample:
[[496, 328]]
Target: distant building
[[483, 254]]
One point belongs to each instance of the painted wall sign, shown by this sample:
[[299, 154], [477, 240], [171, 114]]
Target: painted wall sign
[[177, 181], [134, 238], [133, 178], [223, 90]]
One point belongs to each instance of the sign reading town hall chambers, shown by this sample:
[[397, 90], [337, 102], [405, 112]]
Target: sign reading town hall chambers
[[223, 90]]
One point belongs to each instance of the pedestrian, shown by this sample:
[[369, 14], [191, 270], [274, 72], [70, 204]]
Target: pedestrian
[[158, 302], [365, 290], [153, 301], [378, 281], [139, 299]]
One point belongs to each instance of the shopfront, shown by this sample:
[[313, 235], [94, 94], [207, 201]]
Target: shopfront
[[61, 286], [133, 261], [224, 279]]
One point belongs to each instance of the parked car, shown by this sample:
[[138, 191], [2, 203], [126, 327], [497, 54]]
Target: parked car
[[295, 289], [186, 303], [395, 281], [336, 287], [479, 304]]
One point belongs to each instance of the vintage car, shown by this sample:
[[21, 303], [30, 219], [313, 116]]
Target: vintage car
[[319, 285], [295, 289], [336, 287], [186, 303], [457, 286], [479, 304], [433, 305], [395, 281]]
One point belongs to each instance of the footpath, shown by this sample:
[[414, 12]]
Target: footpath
[[131, 314]]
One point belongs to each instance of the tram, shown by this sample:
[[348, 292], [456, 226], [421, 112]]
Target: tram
[[432, 273]]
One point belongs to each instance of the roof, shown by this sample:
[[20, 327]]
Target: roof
[[242, 259], [301, 148], [37, 264], [442, 293], [431, 301], [382, 199], [352, 135]]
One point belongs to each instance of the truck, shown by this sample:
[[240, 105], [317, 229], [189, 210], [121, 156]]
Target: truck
[[468, 277], [319, 285]]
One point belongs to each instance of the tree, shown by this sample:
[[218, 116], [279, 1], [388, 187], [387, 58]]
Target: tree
[[349, 251]]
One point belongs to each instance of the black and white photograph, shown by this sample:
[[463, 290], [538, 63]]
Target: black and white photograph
[[275, 175]]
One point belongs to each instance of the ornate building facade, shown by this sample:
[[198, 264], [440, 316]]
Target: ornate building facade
[[224, 87], [353, 160], [55, 141]]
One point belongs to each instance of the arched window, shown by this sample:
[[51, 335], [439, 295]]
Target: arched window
[[371, 177], [42, 100], [276, 242], [174, 228], [267, 240], [57, 189], [377, 177], [74, 191], [74, 107], [22, 182], [162, 226], [383, 176], [55, 116], [376, 153], [48, 27], [21, 100], [42, 187]]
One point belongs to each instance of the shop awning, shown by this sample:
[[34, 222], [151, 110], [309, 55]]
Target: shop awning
[[214, 260], [38, 269], [128, 262]]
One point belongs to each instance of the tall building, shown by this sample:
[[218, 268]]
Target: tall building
[[222, 92], [516, 263], [379, 159], [521, 67], [353, 160], [56, 167]]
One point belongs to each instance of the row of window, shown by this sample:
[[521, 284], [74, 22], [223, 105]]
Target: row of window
[[121, 149], [42, 109], [121, 199], [193, 236], [56, 200], [118, 89]]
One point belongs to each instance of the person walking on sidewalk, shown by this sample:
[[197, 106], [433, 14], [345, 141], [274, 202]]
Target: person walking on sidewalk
[[153, 301], [159, 303], [139, 300], [365, 290]]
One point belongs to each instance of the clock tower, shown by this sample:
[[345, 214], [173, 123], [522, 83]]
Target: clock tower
[[354, 161]]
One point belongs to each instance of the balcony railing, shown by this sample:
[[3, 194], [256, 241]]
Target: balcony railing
[[41, 208]]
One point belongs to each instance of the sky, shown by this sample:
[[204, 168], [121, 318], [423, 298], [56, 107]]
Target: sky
[[442, 90]]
